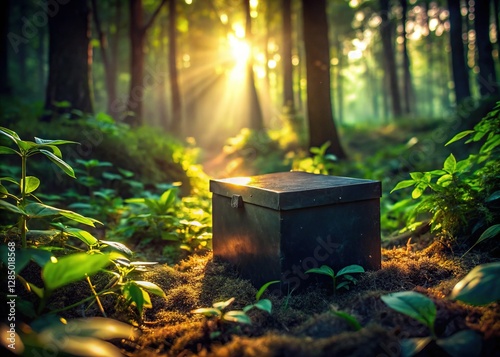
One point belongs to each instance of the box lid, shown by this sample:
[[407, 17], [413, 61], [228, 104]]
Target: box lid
[[295, 189]]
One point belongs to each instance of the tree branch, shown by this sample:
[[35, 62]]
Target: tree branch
[[153, 17]]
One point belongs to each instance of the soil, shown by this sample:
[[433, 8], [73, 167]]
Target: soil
[[304, 324]]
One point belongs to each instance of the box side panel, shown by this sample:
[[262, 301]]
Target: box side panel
[[248, 238], [337, 236]]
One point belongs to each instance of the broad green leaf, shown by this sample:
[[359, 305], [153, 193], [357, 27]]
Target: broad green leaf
[[419, 190], [79, 218], [445, 180], [68, 170], [207, 311], [491, 232], [343, 284], [12, 135], [10, 207], [39, 256], [37, 210], [9, 179], [490, 145], [264, 287], [237, 316], [99, 327], [264, 304], [417, 176], [351, 269], [493, 197], [465, 343], [81, 234], [7, 150], [32, 183], [351, 320], [134, 294], [480, 286], [459, 136], [403, 184], [151, 287], [437, 172], [71, 268], [412, 346], [462, 166], [413, 304], [53, 142], [119, 247], [223, 304], [450, 164], [324, 269]]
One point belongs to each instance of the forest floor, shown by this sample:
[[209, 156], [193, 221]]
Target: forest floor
[[304, 324]]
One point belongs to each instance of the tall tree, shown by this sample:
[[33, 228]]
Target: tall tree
[[172, 65], [288, 97], [70, 58], [390, 70], [138, 31], [4, 63], [255, 111], [459, 67], [319, 107], [487, 77], [407, 82]]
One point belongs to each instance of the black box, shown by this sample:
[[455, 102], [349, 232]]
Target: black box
[[277, 226]]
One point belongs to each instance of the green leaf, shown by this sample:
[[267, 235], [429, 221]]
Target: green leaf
[[419, 190], [412, 346], [81, 234], [480, 286], [413, 304], [68, 170], [403, 184], [493, 197], [324, 269], [445, 180], [12, 135], [416, 176], [351, 269], [134, 294], [79, 218], [10, 207], [38, 210], [151, 287], [207, 311], [343, 284], [53, 142], [119, 247], [223, 304], [24, 255], [264, 305], [465, 343], [32, 184], [71, 268], [459, 136], [264, 287], [489, 233], [7, 150], [351, 320], [237, 316], [450, 164]]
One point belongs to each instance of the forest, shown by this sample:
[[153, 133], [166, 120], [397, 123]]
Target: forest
[[250, 178]]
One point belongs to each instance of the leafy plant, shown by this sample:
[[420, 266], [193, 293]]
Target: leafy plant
[[463, 194], [344, 272], [319, 163], [423, 309]]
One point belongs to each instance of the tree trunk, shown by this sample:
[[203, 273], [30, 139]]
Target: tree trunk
[[487, 77], [256, 119], [108, 76], [340, 78], [459, 67], [113, 61], [70, 58], [176, 123], [288, 96], [496, 10], [386, 32], [138, 82], [4, 58], [407, 84], [319, 107]]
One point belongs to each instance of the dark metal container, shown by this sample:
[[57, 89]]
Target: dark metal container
[[277, 226]]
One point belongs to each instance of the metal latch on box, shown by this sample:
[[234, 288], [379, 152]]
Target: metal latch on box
[[236, 201]]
